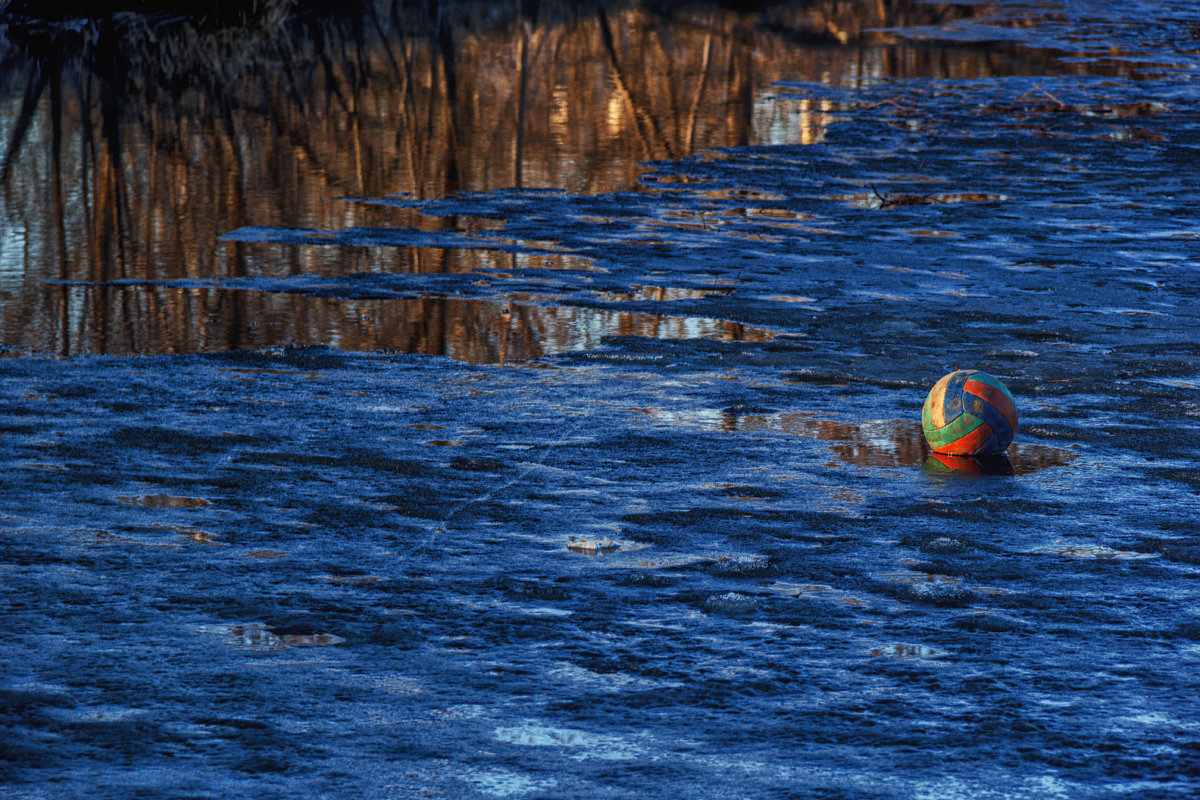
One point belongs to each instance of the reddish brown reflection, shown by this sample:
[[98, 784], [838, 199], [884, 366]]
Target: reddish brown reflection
[[163, 501], [890, 443], [660, 294], [942, 464], [127, 153], [150, 319]]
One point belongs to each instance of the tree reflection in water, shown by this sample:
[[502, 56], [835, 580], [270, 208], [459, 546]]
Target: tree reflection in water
[[134, 141]]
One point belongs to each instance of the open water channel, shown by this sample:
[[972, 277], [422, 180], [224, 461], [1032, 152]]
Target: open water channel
[[522, 400]]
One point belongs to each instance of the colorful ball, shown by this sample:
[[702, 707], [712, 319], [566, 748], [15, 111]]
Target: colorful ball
[[969, 413]]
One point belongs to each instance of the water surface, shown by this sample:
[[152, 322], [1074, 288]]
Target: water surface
[[323, 366]]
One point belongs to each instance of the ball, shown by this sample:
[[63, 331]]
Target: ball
[[969, 413]]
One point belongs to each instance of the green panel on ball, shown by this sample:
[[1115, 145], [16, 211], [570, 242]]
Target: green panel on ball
[[955, 430], [926, 419]]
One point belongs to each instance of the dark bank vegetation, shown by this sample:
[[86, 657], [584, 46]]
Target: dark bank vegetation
[[213, 11]]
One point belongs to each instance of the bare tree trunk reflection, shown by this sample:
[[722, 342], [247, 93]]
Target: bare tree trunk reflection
[[134, 144]]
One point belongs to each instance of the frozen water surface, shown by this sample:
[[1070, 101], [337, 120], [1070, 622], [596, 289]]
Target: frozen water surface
[[468, 405]]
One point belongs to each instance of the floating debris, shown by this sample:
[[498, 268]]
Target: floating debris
[[943, 545], [267, 554], [256, 637], [913, 578], [352, 579], [731, 604], [1097, 552], [740, 566], [592, 546], [163, 501], [878, 200], [603, 747], [918, 652]]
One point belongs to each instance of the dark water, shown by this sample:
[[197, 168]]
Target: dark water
[[308, 496]]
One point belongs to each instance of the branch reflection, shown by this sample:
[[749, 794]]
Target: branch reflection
[[132, 142]]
